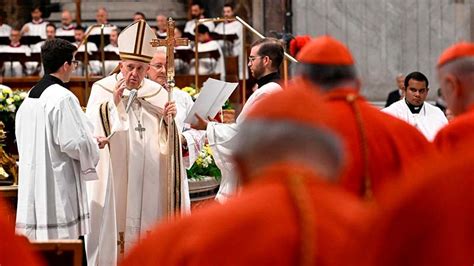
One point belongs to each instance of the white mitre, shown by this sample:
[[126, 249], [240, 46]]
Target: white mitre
[[134, 42]]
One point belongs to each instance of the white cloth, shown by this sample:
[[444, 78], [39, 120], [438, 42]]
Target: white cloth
[[233, 27], [65, 31], [190, 24], [209, 66], [57, 154], [161, 34], [194, 138], [429, 121], [220, 137], [15, 69], [36, 29], [130, 195], [5, 30]]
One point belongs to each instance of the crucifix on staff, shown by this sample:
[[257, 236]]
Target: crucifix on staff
[[170, 42]]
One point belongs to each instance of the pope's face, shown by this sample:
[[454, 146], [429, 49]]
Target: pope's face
[[135, 71]]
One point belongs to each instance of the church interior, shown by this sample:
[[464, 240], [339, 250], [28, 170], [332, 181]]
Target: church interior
[[334, 132]]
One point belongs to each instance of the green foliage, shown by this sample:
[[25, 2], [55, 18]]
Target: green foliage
[[204, 166]]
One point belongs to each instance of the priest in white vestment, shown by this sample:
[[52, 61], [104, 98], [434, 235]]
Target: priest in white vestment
[[37, 26], [133, 191], [67, 27], [208, 66], [413, 109], [57, 153], [15, 68], [94, 65], [192, 140], [197, 12], [265, 59], [230, 27], [110, 65]]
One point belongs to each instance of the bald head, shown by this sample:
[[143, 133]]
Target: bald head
[[161, 22], [101, 16], [456, 80], [66, 18], [311, 146]]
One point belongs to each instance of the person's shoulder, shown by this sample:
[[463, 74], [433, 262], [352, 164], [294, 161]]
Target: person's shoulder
[[106, 83]]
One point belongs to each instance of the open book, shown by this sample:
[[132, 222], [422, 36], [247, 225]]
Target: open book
[[213, 95]]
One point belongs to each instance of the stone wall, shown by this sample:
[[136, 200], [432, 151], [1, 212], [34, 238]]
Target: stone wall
[[388, 37]]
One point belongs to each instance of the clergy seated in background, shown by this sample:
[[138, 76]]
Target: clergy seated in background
[[50, 34], [139, 16], [37, 26], [208, 66], [181, 66], [414, 109], [227, 28], [396, 95], [133, 191], [265, 59], [197, 12], [15, 69], [112, 47], [289, 212], [192, 140], [67, 27], [57, 153], [102, 17], [94, 65], [456, 74], [161, 26], [427, 218], [379, 145], [4, 28]]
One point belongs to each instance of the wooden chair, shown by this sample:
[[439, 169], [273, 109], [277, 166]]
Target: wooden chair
[[60, 252]]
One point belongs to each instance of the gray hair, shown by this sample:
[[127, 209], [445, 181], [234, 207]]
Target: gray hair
[[261, 142], [461, 67], [328, 76]]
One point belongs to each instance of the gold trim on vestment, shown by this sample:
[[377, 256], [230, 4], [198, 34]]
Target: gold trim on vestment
[[104, 117], [135, 57]]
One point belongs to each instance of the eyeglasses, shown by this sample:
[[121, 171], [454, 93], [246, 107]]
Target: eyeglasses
[[75, 63], [252, 58], [158, 66]]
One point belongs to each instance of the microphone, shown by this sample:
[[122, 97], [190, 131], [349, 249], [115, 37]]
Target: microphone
[[131, 97]]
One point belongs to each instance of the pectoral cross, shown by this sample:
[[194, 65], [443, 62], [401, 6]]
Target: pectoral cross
[[140, 129], [121, 242]]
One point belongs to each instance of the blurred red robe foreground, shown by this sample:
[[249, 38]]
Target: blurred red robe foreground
[[427, 219], [14, 250], [261, 226]]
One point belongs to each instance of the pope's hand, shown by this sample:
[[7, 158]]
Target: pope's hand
[[118, 91], [170, 109], [102, 141]]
